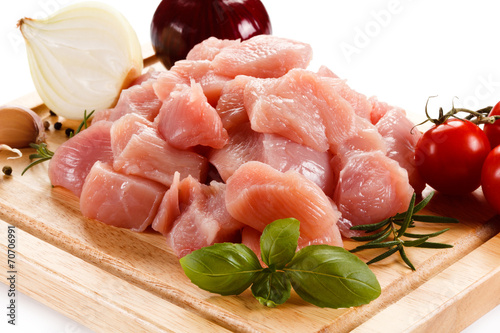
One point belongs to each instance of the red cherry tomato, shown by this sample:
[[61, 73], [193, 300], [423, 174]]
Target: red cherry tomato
[[493, 130], [450, 156], [490, 179]]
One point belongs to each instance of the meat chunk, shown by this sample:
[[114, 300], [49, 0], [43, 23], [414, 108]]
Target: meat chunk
[[169, 208], [326, 72], [231, 104], [209, 48], [307, 109], [366, 138], [186, 120], [302, 107], [139, 150], [401, 137], [183, 71], [371, 188], [379, 109], [262, 56], [150, 75], [139, 99], [279, 152], [73, 160], [194, 215], [359, 102], [120, 200], [258, 194]]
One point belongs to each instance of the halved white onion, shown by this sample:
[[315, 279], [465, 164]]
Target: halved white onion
[[81, 57]]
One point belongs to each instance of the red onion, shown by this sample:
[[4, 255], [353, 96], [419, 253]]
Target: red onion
[[178, 25]]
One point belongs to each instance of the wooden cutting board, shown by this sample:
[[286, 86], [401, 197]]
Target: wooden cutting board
[[112, 279]]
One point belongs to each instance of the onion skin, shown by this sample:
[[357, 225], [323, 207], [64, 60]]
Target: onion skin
[[178, 25]]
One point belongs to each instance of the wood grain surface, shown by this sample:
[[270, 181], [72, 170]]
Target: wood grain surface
[[113, 279]]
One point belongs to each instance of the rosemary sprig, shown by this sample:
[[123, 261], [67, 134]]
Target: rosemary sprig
[[83, 124], [390, 233], [44, 154]]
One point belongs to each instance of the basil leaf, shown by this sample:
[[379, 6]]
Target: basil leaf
[[329, 276], [271, 288], [278, 242], [225, 268]]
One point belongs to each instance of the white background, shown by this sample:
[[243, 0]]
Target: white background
[[402, 51]]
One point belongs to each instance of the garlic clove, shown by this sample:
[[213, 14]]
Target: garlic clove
[[12, 150], [20, 126], [81, 57]]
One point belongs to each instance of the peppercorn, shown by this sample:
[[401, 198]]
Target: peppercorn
[[7, 170], [69, 132], [46, 124], [58, 125]]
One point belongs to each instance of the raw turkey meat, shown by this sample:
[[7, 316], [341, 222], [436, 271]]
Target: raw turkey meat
[[263, 56], [209, 48], [139, 150], [258, 194], [183, 71], [169, 208], [279, 152], [359, 102], [379, 109], [73, 159], [401, 137], [326, 72], [231, 104], [371, 188], [199, 216], [151, 74], [367, 138], [186, 119], [139, 99], [236, 136], [301, 107], [119, 200]]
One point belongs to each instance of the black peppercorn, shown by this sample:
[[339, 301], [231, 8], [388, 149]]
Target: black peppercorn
[[7, 170]]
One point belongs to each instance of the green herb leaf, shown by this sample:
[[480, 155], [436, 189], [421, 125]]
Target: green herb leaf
[[432, 245], [408, 217], [370, 227], [225, 268], [43, 154], [329, 276], [434, 219], [323, 275], [383, 255], [405, 258], [418, 207], [416, 242], [377, 245], [373, 237], [434, 234], [405, 220], [83, 124], [278, 242], [271, 288]]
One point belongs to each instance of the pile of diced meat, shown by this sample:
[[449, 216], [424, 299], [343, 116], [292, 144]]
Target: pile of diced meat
[[234, 137]]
